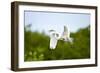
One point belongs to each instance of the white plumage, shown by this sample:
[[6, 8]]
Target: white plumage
[[66, 35], [54, 37]]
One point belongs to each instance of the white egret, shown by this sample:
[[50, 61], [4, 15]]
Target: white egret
[[66, 35], [54, 37]]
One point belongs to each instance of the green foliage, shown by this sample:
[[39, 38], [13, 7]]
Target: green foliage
[[37, 46]]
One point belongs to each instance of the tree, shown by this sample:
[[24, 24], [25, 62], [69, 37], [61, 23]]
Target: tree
[[37, 46]]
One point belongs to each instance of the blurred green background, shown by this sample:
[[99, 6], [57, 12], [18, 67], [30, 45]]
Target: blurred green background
[[37, 46]]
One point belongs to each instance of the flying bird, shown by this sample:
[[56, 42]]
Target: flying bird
[[66, 35], [54, 37]]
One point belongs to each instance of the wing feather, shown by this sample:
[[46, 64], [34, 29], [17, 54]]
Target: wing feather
[[53, 42], [66, 33]]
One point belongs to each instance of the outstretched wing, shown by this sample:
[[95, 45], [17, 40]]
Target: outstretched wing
[[53, 42], [66, 33]]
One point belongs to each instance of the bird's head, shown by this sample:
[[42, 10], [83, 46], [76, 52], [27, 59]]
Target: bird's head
[[54, 33]]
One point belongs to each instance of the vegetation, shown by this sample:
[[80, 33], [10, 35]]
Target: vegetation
[[37, 46]]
